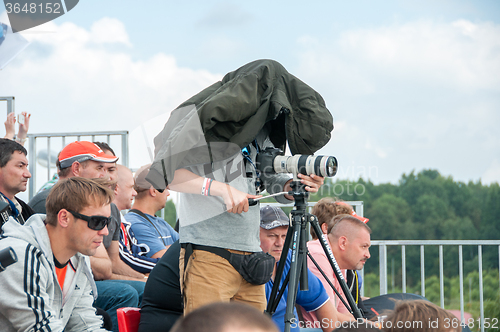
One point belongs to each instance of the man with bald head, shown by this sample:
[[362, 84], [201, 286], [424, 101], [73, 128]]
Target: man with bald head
[[349, 239], [113, 275], [131, 252], [109, 253]]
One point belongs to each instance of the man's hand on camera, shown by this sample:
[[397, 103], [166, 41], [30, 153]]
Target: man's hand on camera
[[312, 182]]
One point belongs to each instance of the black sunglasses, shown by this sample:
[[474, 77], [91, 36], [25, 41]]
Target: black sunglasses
[[94, 222]]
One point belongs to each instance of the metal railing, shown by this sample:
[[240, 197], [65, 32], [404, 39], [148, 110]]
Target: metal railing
[[440, 243], [10, 103], [358, 207], [54, 142]]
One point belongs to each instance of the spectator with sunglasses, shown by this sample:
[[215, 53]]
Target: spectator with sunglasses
[[51, 286], [90, 160]]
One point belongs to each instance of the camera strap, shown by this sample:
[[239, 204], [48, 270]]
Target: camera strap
[[248, 159], [147, 218], [12, 210]]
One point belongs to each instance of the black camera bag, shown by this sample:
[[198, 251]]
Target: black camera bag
[[256, 268]]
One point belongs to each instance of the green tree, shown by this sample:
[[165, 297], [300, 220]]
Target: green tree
[[170, 213], [490, 226], [390, 218]]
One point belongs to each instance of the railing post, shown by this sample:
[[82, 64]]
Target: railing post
[[383, 268], [48, 158], [403, 268], [461, 279], [125, 149], [32, 166], [422, 271], [480, 267], [441, 276]]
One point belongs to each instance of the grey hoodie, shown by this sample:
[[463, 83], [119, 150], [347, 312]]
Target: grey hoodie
[[30, 296]]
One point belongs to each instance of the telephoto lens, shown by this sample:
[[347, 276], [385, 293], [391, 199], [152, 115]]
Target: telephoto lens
[[272, 160], [325, 166]]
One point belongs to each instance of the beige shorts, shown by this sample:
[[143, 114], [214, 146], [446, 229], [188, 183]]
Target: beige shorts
[[209, 278]]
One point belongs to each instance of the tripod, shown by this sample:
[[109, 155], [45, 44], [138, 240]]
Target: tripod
[[297, 237]]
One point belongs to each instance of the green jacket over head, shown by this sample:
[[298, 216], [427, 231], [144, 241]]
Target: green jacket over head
[[227, 116]]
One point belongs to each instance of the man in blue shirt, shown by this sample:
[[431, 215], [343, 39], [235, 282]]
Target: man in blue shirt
[[147, 228], [273, 228]]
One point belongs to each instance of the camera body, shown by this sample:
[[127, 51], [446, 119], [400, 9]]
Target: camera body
[[7, 257], [273, 160]]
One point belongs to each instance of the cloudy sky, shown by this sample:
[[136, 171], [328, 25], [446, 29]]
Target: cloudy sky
[[411, 84]]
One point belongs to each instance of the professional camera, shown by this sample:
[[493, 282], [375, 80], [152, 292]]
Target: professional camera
[[273, 160], [7, 257]]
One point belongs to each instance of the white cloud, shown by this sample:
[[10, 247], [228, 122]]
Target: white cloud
[[461, 53], [88, 88], [109, 30], [416, 95], [71, 81], [492, 174]]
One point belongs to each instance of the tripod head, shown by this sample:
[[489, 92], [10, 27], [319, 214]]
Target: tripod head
[[300, 195]]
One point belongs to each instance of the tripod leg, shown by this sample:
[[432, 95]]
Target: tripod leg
[[333, 262], [295, 264], [273, 301], [304, 282]]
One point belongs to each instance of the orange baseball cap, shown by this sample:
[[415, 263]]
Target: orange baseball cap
[[81, 151]]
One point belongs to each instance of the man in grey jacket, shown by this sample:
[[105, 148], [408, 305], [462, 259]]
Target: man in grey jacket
[[51, 287]]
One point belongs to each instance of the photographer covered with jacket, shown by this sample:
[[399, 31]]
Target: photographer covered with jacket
[[207, 152]]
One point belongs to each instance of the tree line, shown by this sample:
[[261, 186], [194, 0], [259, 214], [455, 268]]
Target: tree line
[[427, 206]]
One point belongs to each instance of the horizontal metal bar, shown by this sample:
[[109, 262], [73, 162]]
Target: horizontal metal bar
[[76, 134], [436, 242]]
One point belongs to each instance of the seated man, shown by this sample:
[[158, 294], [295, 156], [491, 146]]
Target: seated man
[[147, 228], [81, 158], [274, 227], [325, 210], [14, 175], [117, 283], [129, 252], [51, 286], [349, 239]]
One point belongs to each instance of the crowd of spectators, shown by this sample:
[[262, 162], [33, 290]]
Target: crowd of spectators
[[95, 232]]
